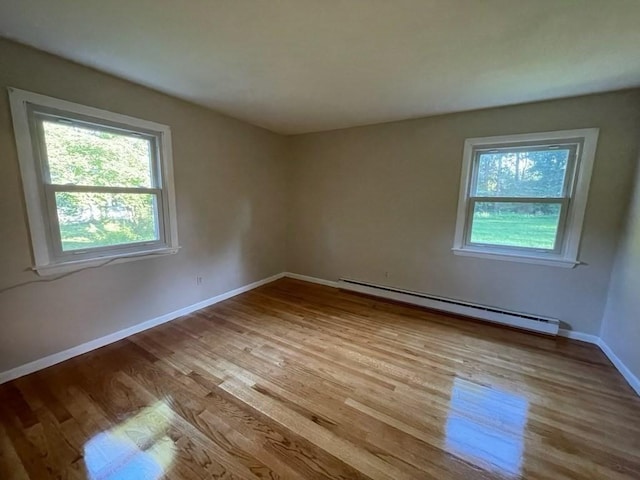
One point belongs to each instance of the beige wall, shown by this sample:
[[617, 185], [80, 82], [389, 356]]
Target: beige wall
[[230, 199], [621, 323], [378, 204]]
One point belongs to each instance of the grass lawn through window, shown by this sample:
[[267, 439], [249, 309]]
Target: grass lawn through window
[[78, 236], [515, 230]]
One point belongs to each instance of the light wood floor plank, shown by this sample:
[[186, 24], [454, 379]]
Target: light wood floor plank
[[295, 380]]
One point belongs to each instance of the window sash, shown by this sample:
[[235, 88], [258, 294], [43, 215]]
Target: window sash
[[569, 175], [54, 222], [36, 116], [563, 202]]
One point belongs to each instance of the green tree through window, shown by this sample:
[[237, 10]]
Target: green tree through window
[[82, 156]]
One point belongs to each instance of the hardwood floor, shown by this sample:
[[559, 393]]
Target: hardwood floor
[[295, 380]]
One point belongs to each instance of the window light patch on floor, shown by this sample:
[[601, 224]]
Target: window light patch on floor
[[486, 427], [138, 448]]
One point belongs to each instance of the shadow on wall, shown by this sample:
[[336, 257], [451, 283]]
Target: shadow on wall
[[233, 257]]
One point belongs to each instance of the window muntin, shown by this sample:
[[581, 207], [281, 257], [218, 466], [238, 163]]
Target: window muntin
[[538, 171], [523, 197], [98, 185]]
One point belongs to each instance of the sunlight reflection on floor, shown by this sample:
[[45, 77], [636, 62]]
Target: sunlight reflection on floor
[[485, 427], [137, 449]]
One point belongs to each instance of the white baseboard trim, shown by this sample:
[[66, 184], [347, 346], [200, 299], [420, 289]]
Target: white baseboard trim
[[55, 358], [631, 379], [583, 337], [305, 278]]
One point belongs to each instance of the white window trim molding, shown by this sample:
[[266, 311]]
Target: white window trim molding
[[44, 262], [568, 256]]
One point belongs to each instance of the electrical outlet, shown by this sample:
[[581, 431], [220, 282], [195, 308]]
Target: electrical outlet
[[198, 280], [386, 274]]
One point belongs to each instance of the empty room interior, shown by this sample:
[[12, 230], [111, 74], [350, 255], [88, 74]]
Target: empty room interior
[[320, 239]]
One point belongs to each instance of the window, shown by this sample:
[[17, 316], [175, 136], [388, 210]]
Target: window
[[98, 185], [523, 197]]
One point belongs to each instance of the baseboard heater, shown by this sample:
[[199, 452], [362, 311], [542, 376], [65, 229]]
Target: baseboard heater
[[496, 315]]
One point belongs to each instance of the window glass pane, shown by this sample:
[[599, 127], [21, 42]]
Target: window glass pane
[[90, 220], [529, 225], [534, 173], [83, 156]]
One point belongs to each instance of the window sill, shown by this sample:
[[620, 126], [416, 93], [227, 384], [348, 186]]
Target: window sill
[[76, 265], [510, 257]]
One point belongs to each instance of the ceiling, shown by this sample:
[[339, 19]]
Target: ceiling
[[296, 66]]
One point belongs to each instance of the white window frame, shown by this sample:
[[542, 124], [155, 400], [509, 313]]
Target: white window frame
[[574, 199], [42, 215]]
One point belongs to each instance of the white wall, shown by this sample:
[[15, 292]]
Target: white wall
[[230, 183], [621, 323], [369, 200]]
